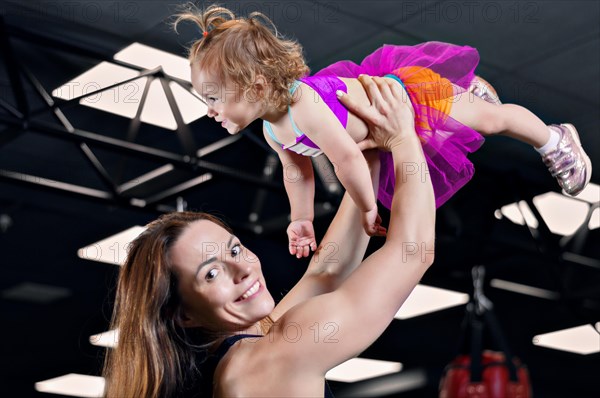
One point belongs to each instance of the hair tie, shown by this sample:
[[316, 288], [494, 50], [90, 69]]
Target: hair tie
[[205, 33]]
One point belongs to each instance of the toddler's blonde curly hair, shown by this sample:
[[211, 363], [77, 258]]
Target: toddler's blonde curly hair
[[238, 49]]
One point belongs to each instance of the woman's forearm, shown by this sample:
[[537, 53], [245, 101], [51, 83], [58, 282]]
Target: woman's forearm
[[362, 307], [342, 248], [344, 245], [412, 220]]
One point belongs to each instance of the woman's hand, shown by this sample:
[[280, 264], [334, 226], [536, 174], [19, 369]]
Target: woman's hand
[[390, 117]]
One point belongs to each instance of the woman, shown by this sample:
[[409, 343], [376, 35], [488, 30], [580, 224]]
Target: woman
[[188, 274]]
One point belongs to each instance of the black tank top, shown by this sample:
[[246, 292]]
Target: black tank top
[[204, 390]]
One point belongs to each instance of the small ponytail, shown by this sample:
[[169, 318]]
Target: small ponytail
[[207, 20], [238, 49]]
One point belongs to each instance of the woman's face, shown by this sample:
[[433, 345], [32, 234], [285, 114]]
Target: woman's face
[[220, 282]]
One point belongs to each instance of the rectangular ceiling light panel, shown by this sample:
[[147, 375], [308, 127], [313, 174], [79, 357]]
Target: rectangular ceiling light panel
[[426, 299], [582, 340], [357, 369], [108, 339], [564, 215], [112, 250], [125, 99], [122, 100], [74, 385], [149, 58]]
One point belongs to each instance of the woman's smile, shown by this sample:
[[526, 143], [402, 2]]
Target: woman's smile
[[252, 292]]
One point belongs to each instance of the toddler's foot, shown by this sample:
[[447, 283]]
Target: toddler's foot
[[568, 162]]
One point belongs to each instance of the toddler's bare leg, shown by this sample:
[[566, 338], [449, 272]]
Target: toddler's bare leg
[[560, 148], [507, 119]]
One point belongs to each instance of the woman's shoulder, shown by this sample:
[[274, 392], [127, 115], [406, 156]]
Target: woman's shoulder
[[248, 360], [259, 367], [230, 373]]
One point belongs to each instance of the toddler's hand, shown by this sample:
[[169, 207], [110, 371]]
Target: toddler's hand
[[372, 223], [301, 237]]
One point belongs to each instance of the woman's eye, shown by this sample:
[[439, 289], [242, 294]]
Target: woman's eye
[[211, 99], [212, 274], [236, 250]]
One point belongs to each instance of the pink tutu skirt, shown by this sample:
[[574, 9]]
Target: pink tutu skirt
[[433, 74]]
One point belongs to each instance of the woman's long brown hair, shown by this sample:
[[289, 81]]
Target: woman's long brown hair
[[152, 357]]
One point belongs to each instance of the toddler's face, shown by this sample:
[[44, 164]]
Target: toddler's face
[[226, 102]]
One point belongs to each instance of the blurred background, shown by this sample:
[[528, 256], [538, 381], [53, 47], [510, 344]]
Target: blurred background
[[100, 133]]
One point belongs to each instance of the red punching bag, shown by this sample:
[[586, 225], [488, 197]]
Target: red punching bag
[[495, 378], [476, 373]]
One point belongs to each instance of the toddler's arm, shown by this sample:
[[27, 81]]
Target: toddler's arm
[[322, 127], [298, 179]]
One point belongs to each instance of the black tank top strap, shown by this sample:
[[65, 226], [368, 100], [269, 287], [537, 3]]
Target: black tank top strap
[[229, 342]]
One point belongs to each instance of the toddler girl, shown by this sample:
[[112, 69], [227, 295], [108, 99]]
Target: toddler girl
[[246, 71]]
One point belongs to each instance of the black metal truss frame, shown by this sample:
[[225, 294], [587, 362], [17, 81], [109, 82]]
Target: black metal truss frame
[[20, 118], [564, 251], [563, 255]]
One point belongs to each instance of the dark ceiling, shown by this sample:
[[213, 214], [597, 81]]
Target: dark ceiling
[[544, 55]]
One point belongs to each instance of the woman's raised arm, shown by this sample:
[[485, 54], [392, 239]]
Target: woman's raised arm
[[366, 302]]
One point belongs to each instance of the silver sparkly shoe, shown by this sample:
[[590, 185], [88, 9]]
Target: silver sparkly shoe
[[483, 89], [569, 163]]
